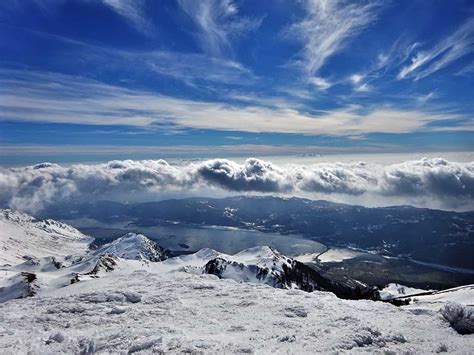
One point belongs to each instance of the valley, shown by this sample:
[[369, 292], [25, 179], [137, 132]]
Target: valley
[[417, 247]]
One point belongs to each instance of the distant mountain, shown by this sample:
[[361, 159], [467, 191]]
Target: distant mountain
[[431, 236]]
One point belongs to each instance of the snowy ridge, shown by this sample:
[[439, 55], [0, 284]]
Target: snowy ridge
[[192, 262], [22, 235], [256, 265], [134, 246], [263, 256], [267, 266]]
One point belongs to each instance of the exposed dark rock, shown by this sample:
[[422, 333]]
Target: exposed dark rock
[[304, 277], [105, 263]]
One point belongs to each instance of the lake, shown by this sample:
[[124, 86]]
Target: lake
[[225, 240]]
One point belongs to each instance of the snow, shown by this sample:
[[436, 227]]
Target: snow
[[115, 300], [256, 265], [18, 286], [133, 246], [338, 254], [182, 312], [394, 290], [162, 307], [127, 255], [330, 255], [263, 257], [189, 262], [463, 295], [22, 235]]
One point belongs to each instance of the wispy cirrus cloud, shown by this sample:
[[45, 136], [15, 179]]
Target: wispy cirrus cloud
[[467, 70], [48, 97], [193, 69], [134, 11], [326, 27], [217, 22], [444, 53]]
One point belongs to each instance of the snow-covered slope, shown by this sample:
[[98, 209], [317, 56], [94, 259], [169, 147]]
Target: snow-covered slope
[[394, 290], [134, 246], [22, 237], [117, 299], [435, 299], [38, 256], [134, 252], [177, 312]]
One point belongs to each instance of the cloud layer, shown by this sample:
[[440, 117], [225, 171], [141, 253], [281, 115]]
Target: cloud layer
[[448, 184]]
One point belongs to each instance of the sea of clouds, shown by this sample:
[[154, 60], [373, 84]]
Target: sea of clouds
[[426, 182]]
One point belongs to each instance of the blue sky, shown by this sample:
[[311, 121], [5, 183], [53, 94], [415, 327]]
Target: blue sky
[[86, 80]]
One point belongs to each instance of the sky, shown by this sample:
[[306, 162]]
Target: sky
[[88, 80]]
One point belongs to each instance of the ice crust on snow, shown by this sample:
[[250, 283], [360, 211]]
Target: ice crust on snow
[[182, 312]]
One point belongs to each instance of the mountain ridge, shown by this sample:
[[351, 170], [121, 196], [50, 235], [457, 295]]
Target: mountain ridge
[[432, 236]]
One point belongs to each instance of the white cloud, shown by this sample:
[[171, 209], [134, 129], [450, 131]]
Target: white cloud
[[357, 82], [363, 88], [321, 83], [423, 99], [448, 50], [356, 78], [217, 22], [326, 26], [34, 187], [47, 97]]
